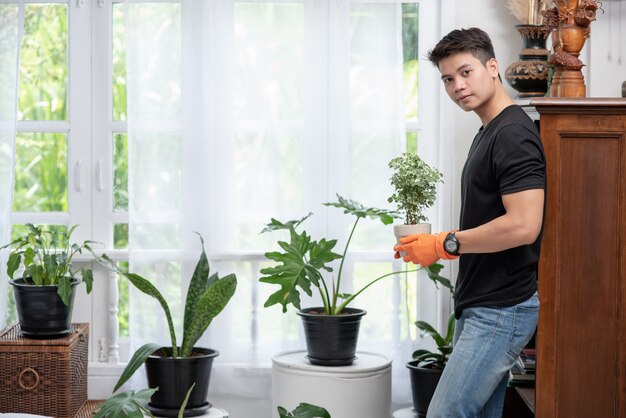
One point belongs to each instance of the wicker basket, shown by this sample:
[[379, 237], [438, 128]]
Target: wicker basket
[[44, 377]]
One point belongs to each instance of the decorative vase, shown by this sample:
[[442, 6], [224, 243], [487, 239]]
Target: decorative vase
[[41, 311], [529, 75], [404, 230], [174, 376], [331, 339]]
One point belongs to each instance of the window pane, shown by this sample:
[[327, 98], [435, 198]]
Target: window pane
[[40, 172], [43, 63], [119, 63], [269, 39], [54, 231], [120, 172], [411, 142], [122, 301], [120, 236], [410, 27]]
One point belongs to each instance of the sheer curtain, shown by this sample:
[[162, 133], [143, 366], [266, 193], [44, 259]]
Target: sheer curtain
[[11, 14], [244, 111]]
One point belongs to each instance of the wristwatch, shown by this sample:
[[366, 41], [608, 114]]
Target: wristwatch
[[451, 244]]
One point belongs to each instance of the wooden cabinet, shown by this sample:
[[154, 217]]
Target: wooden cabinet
[[581, 336]]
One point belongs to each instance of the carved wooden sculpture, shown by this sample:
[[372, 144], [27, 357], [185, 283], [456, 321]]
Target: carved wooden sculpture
[[570, 20]]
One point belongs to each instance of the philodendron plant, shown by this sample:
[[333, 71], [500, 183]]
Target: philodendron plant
[[47, 259], [206, 298], [303, 262], [131, 404], [304, 410], [415, 184]]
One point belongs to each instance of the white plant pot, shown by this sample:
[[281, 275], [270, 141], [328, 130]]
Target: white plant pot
[[405, 230]]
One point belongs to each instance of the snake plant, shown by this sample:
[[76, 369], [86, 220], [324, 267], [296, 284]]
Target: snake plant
[[206, 298]]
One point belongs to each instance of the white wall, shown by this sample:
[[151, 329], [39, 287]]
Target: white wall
[[603, 77]]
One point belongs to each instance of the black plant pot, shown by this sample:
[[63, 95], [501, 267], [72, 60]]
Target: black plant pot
[[41, 311], [331, 339], [423, 384], [174, 377]]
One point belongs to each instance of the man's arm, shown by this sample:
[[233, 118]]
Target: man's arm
[[520, 225]]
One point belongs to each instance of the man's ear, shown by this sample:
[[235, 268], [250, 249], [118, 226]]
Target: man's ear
[[493, 67]]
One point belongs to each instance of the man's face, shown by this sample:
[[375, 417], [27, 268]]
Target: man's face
[[468, 82]]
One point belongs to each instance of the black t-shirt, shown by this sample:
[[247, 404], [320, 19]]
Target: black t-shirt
[[506, 157]]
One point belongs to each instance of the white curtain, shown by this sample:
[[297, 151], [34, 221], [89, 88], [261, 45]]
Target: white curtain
[[10, 17], [244, 111]]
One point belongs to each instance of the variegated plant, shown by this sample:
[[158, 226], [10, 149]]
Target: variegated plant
[[206, 298]]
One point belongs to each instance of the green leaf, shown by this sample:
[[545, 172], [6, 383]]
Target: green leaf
[[197, 286], [357, 209], [276, 225], [88, 279], [296, 270], [13, 263], [64, 288], [138, 359], [208, 306], [428, 329], [126, 404], [181, 411], [306, 410], [433, 274]]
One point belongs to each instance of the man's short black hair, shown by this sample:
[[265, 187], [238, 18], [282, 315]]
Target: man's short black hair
[[472, 40]]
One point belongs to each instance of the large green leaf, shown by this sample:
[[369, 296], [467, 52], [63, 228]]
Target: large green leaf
[[13, 263], [138, 359], [433, 274], [299, 268], [208, 306], [357, 209], [126, 404], [428, 329], [304, 410], [197, 286], [64, 289], [276, 225]]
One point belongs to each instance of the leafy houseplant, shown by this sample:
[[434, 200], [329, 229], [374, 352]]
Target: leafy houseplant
[[426, 368], [131, 404], [44, 294], [176, 367], [304, 410], [303, 264]]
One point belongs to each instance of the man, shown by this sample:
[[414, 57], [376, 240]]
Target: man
[[502, 206]]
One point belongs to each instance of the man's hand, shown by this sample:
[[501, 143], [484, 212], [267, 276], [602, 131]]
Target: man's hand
[[423, 249]]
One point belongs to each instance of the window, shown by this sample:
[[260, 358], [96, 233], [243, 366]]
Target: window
[[72, 161]]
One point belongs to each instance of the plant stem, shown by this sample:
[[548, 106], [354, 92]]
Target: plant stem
[[343, 258], [348, 300], [325, 298]]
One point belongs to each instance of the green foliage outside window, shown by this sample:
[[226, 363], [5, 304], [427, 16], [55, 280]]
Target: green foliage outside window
[[43, 63]]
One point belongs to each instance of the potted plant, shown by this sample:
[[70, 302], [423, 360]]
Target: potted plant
[[175, 368], [415, 184], [331, 331], [427, 366], [131, 404], [44, 294], [304, 410]]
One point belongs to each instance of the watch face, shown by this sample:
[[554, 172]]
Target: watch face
[[450, 246]]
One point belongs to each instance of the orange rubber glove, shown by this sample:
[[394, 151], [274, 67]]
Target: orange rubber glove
[[423, 249]]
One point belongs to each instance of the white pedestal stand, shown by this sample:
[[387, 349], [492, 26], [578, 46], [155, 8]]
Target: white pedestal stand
[[404, 413], [212, 413], [362, 390]]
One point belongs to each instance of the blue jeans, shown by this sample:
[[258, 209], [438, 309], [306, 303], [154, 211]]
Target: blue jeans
[[487, 342]]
